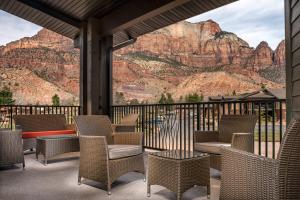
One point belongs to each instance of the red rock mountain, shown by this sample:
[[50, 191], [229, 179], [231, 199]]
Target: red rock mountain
[[180, 59]]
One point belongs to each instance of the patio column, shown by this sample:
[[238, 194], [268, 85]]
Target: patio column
[[95, 71]]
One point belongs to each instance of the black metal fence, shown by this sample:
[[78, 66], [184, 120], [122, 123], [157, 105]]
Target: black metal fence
[[205, 116], [8, 111], [164, 132]]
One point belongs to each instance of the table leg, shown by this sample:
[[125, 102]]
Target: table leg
[[45, 160], [208, 192], [148, 190]]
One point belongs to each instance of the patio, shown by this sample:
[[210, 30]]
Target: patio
[[58, 180], [98, 28]]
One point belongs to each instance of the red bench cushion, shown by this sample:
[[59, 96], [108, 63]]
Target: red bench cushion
[[26, 135]]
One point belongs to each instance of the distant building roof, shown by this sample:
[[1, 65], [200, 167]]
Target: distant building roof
[[257, 95], [278, 93], [222, 98]]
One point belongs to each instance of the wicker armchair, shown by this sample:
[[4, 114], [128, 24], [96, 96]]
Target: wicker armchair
[[249, 176], [235, 131], [103, 156], [128, 123], [11, 148]]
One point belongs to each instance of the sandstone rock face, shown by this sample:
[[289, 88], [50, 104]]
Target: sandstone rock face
[[262, 56], [279, 55], [49, 56], [182, 58], [201, 45]]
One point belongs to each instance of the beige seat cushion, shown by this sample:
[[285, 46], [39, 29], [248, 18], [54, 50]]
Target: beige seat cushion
[[121, 151], [210, 147]]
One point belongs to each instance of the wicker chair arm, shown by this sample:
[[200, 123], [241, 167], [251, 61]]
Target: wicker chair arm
[[132, 138], [123, 128], [243, 141], [248, 176], [11, 147], [71, 127], [206, 136]]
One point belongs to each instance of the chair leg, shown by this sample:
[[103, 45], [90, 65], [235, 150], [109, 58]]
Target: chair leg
[[79, 180], [148, 190], [208, 192], [109, 189], [23, 164]]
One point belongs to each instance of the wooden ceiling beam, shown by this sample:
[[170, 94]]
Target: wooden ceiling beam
[[42, 7], [132, 12]]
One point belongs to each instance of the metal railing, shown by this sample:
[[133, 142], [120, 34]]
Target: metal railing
[[206, 116], [157, 128], [8, 111]]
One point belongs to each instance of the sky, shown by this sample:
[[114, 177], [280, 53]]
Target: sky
[[13, 28], [252, 20]]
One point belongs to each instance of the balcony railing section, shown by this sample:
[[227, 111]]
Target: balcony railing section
[[172, 126], [159, 131], [8, 111]]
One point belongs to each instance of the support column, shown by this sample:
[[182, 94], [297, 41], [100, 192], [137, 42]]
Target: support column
[[98, 72], [83, 69]]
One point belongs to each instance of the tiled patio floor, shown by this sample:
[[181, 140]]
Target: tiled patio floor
[[58, 181]]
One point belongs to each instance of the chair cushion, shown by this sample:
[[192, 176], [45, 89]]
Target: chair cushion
[[26, 135], [210, 147], [122, 151]]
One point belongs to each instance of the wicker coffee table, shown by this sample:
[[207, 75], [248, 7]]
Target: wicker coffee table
[[178, 170], [50, 146]]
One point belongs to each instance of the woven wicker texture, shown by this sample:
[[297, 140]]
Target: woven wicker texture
[[52, 147], [249, 176], [243, 141], [41, 122], [130, 119], [128, 123], [95, 164], [95, 130], [11, 147], [51, 122], [128, 138], [289, 163], [178, 175], [230, 124], [235, 129], [94, 125]]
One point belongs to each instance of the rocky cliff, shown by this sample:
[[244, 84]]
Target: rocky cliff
[[181, 59], [197, 54]]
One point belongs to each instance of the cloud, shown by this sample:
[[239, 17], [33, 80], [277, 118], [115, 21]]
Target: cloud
[[13, 28], [253, 21]]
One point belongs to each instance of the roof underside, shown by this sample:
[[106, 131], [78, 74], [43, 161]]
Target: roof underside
[[66, 16]]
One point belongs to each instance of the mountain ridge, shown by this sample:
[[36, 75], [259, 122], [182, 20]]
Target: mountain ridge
[[162, 61]]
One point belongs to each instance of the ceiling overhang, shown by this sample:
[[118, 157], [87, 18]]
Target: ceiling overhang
[[124, 19]]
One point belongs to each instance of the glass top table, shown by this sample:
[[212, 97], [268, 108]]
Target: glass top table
[[55, 137], [179, 154]]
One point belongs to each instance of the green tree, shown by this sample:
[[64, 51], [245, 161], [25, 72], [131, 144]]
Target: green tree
[[162, 99], [55, 100], [134, 102], [119, 98], [170, 99], [166, 99], [6, 96], [262, 86], [193, 98]]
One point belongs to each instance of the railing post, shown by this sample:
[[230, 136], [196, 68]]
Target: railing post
[[198, 116], [11, 117]]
